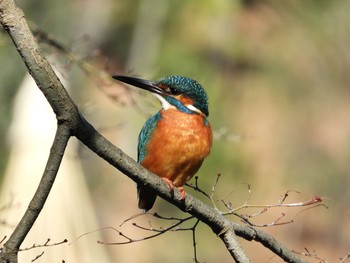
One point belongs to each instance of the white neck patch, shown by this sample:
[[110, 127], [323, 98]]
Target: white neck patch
[[193, 108], [166, 105]]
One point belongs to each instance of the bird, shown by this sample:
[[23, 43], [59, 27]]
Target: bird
[[174, 142]]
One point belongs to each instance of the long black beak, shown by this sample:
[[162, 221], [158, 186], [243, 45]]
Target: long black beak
[[140, 83]]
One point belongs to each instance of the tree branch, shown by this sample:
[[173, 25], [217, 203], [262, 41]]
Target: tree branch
[[72, 123], [14, 22], [250, 233], [11, 247]]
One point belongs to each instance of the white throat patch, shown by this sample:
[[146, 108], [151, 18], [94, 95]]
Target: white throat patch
[[193, 108], [166, 105]]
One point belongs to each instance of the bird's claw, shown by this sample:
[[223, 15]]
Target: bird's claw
[[171, 186], [182, 192]]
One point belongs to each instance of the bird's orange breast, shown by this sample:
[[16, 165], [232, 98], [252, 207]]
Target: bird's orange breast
[[178, 146]]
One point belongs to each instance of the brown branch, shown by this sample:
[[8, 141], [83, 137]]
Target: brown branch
[[72, 123], [175, 226], [37, 257], [193, 229], [343, 259], [46, 244], [311, 254], [269, 242], [312, 203], [158, 232], [11, 246], [196, 187]]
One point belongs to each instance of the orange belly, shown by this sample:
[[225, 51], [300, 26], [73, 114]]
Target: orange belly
[[178, 146]]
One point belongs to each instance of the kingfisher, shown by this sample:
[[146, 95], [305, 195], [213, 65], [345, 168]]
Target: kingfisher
[[174, 142]]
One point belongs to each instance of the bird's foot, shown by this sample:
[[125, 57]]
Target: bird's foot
[[171, 186], [169, 183], [182, 192]]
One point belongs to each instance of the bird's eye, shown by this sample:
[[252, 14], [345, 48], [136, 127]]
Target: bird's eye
[[174, 91]]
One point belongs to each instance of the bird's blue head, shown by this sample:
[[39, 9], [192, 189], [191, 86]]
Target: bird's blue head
[[183, 93]]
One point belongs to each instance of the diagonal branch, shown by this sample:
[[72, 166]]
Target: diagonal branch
[[11, 247], [268, 241], [72, 123], [14, 22]]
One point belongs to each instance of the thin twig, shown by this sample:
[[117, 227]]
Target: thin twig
[[159, 231], [195, 241], [310, 254], [46, 244], [312, 201], [38, 256], [3, 239], [132, 240], [100, 77], [213, 190], [343, 259], [309, 204]]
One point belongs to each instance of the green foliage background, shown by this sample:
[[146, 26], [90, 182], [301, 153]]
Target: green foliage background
[[277, 75]]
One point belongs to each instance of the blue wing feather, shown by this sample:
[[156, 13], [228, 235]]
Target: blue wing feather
[[145, 135]]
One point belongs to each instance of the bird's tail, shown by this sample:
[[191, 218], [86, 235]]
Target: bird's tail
[[146, 198]]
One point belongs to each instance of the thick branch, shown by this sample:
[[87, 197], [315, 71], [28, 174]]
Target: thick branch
[[14, 22], [250, 233], [11, 247], [230, 240], [12, 18]]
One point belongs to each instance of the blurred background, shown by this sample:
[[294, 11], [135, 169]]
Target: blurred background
[[277, 76]]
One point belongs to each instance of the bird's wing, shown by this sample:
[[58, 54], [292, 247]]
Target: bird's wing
[[145, 135]]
